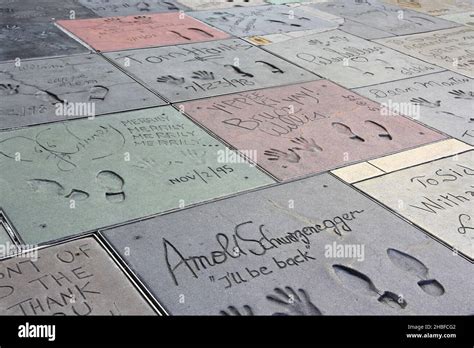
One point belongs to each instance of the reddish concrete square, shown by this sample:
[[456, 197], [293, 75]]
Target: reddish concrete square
[[307, 128], [127, 32]]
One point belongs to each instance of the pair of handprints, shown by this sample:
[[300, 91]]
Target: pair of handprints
[[292, 155], [299, 302]]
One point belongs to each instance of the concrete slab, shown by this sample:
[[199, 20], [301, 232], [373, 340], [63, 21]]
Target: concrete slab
[[215, 4], [127, 32], [465, 18], [437, 196], [46, 90], [443, 100], [187, 72], [107, 8], [294, 2], [261, 40], [307, 128], [361, 30], [387, 164], [41, 11], [75, 278], [32, 40], [290, 35], [112, 169], [357, 172], [378, 15], [262, 20], [281, 251], [420, 155], [349, 60], [434, 7], [450, 48]]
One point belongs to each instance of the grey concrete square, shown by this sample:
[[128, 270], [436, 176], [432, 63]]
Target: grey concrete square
[[43, 90], [75, 278], [285, 250], [349, 60], [41, 11], [381, 16], [444, 101], [438, 196], [262, 20], [187, 72], [66, 178], [219, 4], [106, 8], [31, 40]]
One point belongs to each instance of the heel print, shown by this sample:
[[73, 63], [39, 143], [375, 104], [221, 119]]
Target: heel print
[[359, 282], [415, 267], [345, 130], [383, 131]]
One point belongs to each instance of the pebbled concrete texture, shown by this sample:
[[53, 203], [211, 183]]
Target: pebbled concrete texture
[[58, 89], [112, 169], [253, 253]]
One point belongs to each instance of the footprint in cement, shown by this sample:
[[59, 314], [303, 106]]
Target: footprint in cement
[[51, 187], [359, 282], [415, 267], [113, 184]]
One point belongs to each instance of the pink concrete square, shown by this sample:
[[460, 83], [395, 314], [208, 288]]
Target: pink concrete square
[[307, 128], [127, 32]]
